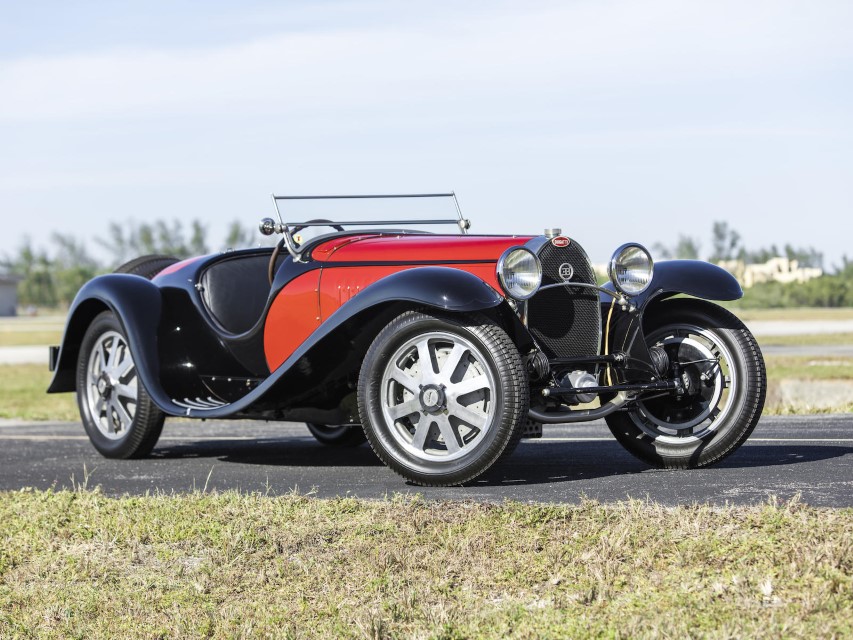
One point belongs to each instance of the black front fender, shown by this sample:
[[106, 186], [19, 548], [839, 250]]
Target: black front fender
[[623, 329], [691, 277], [137, 304]]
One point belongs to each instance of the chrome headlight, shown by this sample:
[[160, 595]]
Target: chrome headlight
[[631, 269], [519, 272]]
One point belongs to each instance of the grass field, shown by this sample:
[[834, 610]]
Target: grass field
[[31, 331], [80, 565], [804, 313], [22, 395]]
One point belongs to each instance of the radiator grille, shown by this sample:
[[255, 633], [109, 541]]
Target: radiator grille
[[566, 321]]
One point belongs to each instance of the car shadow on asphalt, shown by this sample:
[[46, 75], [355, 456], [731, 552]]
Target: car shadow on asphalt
[[531, 463]]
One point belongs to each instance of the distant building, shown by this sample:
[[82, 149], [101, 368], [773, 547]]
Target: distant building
[[774, 270], [9, 294]]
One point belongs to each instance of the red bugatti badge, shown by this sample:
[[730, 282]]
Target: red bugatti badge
[[560, 242]]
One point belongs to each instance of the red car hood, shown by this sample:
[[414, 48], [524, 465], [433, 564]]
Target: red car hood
[[415, 248]]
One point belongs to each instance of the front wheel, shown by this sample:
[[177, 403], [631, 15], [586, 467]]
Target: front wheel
[[442, 396], [720, 362]]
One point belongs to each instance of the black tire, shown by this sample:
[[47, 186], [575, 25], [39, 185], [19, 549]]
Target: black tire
[[469, 409], [340, 436], [147, 266], [118, 415], [730, 400]]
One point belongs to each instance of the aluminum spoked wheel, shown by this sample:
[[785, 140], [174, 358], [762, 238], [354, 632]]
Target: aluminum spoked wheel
[[112, 390], [437, 395], [442, 396], [117, 413], [719, 361]]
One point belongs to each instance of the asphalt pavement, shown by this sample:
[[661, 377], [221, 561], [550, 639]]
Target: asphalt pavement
[[809, 456]]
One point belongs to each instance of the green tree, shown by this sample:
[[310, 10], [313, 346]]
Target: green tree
[[725, 242], [130, 240], [72, 267], [686, 248], [238, 236], [35, 267]]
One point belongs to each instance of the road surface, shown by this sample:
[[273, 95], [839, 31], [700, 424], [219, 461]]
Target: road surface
[[810, 456]]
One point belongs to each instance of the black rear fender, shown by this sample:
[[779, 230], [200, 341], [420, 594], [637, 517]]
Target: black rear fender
[[137, 304]]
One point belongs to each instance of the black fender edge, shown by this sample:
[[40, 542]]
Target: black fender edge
[[672, 277], [137, 304]]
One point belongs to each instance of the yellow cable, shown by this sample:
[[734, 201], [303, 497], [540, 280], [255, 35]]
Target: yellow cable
[[607, 340]]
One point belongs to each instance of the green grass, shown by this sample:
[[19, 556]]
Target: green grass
[[22, 395], [794, 313], [811, 339], [809, 368], [29, 338], [81, 565]]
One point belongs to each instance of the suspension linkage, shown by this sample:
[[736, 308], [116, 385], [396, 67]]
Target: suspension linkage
[[660, 385]]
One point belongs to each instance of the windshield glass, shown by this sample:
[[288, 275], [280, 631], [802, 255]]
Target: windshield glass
[[319, 215]]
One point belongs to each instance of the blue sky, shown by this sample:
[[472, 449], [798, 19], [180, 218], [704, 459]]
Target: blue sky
[[617, 121]]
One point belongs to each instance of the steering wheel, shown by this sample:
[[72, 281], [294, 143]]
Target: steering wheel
[[280, 245]]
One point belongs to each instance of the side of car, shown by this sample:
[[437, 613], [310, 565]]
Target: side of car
[[437, 349]]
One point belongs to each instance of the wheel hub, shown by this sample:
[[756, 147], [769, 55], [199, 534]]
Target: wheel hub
[[105, 386], [433, 399]]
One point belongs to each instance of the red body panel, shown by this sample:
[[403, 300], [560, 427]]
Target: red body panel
[[414, 249], [337, 286], [293, 316], [303, 304]]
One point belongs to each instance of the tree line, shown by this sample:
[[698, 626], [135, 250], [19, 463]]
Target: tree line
[[726, 244], [52, 277]]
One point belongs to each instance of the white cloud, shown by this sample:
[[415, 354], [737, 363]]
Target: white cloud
[[554, 50]]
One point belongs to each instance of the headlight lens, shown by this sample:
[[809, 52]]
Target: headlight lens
[[520, 273], [631, 269]]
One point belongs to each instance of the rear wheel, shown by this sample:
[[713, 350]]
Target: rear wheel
[[147, 266], [441, 397], [118, 415], [721, 364], [344, 435]]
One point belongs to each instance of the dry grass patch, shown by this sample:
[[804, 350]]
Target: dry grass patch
[[78, 564]]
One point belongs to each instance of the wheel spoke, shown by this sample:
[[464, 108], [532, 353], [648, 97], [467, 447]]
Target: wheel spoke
[[452, 362], [408, 382], [468, 416], [123, 415], [125, 391], [425, 359], [115, 347], [124, 367], [102, 353], [422, 430], [470, 385], [405, 409], [451, 438], [99, 406]]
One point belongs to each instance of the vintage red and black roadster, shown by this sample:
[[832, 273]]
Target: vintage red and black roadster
[[441, 350]]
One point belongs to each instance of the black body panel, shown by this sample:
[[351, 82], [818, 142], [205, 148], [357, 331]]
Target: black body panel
[[185, 357]]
